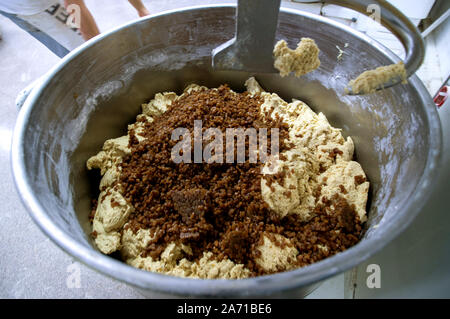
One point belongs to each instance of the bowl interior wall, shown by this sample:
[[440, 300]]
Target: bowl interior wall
[[99, 93]]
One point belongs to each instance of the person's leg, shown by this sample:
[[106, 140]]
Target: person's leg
[[140, 7], [88, 26]]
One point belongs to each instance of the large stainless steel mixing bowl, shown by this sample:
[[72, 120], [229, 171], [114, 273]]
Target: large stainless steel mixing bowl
[[95, 91]]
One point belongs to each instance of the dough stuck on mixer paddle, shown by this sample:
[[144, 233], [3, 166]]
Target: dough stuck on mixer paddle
[[302, 60], [369, 81]]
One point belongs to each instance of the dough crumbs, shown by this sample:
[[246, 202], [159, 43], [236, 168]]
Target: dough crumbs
[[277, 253], [225, 220], [369, 81], [302, 60]]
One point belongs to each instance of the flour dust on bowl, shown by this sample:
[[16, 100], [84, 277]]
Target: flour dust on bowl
[[96, 91]]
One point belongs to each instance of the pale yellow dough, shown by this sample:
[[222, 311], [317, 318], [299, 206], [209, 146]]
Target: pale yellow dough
[[313, 139], [274, 258]]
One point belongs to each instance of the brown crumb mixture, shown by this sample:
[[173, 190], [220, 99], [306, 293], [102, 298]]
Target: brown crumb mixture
[[343, 189], [94, 204], [334, 152], [335, 226], [218, 207], [359, 180]]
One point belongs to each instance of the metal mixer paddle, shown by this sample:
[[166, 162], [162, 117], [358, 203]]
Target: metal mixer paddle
[[256, 23], [251, 49]]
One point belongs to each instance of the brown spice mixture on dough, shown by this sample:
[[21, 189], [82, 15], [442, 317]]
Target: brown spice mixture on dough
[[335, 226], [219, 207]]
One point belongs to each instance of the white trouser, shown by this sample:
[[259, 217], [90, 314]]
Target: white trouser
[[50, 28]]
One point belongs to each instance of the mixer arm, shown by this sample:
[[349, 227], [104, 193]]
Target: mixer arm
[[399, 25]]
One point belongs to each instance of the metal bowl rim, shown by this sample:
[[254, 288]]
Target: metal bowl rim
[[221, 287]]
